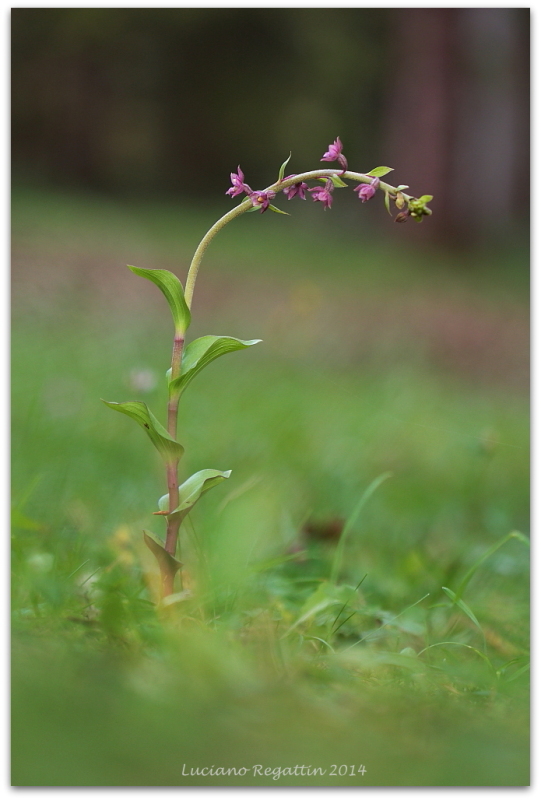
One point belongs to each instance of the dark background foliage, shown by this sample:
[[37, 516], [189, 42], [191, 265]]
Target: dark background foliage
[[154, 100]]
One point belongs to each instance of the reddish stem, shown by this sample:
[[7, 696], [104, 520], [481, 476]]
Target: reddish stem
[[173, 523]]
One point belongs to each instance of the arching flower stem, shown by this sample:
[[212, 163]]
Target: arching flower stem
[[247, 204]]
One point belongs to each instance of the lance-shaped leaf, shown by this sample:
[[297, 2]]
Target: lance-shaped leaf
[[201, 352], [283, 169], [165, 444], [166, 561], [171, 288], [379, 172], [192, 489], [277, 210]]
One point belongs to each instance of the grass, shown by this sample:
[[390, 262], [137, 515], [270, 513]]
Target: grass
[[295, 646]]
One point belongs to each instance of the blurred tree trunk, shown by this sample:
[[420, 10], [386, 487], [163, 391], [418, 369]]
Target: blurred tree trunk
[[456, 119]]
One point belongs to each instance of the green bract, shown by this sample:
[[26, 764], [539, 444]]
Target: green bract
[[338, 183], [201, 352], [192, 489], [283, 169], [418, 207], [379, 172], [173, 292], [159, 437]]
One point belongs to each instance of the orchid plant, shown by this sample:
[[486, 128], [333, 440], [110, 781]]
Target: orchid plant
[[189, 359]]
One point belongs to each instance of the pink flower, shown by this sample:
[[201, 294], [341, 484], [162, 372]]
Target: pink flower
[[262, 199], [323, 194], [334, 153], [297, 188], [335, 149], [238, 184], [367, 190]]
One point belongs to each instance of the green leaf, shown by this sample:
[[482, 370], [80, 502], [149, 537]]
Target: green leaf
[[278, 210], [426, 198], [327, 594], [379, 172], [201, 352], [165, 444], [155, 538], [192, 489], [283, 169], [387, 203], [337, 181], [402, 186], [462, 606], [157, 546], [173, 292]]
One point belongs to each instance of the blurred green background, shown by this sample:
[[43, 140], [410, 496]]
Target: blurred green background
[[386, 348]]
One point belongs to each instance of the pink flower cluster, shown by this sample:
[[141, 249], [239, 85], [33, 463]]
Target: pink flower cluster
[[259, 199], [321, 194]]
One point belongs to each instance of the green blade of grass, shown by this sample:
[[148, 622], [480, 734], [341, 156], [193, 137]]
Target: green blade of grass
[[378, 630], [462, 606], [518, 673], [491, 550], [352, 519], [319, 639], [345, 606], [460, 644]]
